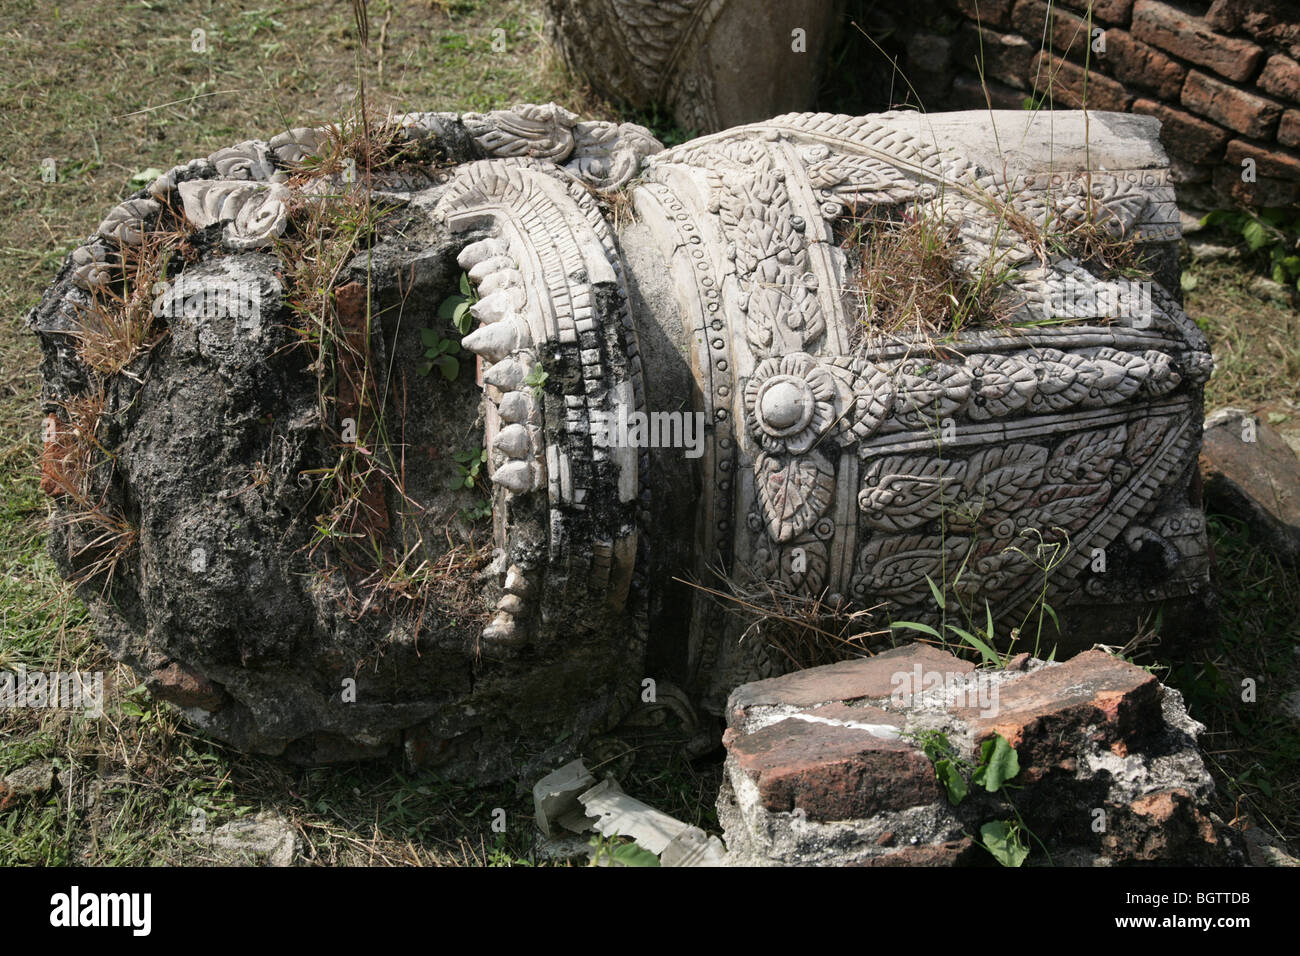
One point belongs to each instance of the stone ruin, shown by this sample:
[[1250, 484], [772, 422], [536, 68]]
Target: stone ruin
[[830, 766], [710, 284], [709, 64], [1224, 81]]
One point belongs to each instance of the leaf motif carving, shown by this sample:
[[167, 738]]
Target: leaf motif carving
[[896, 566], [902, 492], [794, 491], [1001, 479]]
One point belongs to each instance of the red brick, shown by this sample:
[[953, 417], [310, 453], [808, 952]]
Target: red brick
[[1269, 21], [1192, 39], [184, 688], [1278, 163], [832, 773], [1225, 14], [1140, 64], [1288, 131], [1146, 830], [995, 12], [1186, 136], [1071, 85], [999, 56], [1068, 33], [1264, 191], [962, 852], [868, 678], [1112, 11], [1247, 113], [1048, 714], [1281, 77], [968, 93]]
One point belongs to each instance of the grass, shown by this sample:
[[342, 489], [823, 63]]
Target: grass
[[1251, 746], [106, 98], [1256, 342]]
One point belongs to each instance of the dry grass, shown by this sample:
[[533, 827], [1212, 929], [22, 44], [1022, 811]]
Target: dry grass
[[120, 326], [99, 537], [907, 281], [804, 631]]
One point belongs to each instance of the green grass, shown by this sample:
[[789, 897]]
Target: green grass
[[1252, 748], [1256, 343]]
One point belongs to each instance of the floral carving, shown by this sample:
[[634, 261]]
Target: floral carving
[[128, 221], [790, 403], [248, 160], [90, 267], [254, 213]]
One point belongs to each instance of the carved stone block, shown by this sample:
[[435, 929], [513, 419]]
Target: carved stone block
[[708, 295]]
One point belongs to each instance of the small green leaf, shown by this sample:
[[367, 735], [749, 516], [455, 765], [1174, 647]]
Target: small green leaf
[[987, 653], [462, 317], [449, 367], [938, 595], [464, 284], [998, 764], [449, 306], [144, 177], [1256, 234], [429, 338], [629, 854], [952, 779], [1002, 839], [923, 628]]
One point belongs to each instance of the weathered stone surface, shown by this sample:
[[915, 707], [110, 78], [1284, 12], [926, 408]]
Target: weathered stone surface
[[265, 837], [809, 450], [868, 678], [184, 688], [1092, 695], [961, 852], [1249, 471], [33, 780], [711, 63], [1097, 739]]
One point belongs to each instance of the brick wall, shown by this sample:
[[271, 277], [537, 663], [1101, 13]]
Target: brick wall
[[1223, 77]]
